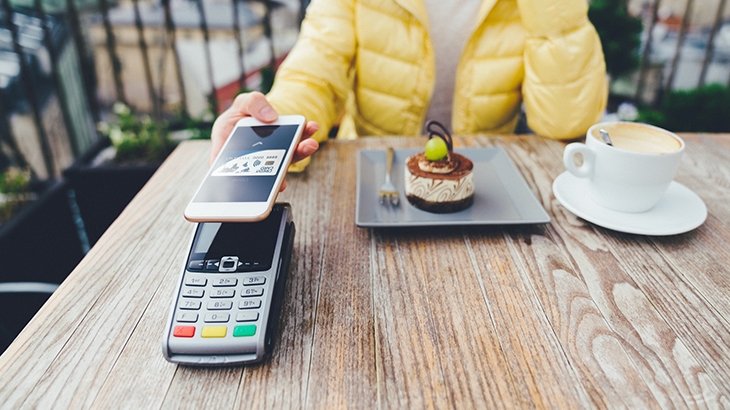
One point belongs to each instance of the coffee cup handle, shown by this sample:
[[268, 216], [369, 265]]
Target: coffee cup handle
[[586, 169]]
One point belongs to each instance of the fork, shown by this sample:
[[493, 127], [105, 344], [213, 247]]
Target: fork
[[388, 194]]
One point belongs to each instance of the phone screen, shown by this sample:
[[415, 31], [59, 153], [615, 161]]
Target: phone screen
[[247, 168]]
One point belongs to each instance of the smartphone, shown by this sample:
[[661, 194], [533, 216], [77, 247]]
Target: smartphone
[[245, 178], [230, 292]]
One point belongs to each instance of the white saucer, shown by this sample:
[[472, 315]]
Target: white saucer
[[679, 211]]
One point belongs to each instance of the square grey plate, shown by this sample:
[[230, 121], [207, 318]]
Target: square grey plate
[[501, 195]]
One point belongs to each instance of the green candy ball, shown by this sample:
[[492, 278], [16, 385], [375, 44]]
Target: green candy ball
[[436, 149]]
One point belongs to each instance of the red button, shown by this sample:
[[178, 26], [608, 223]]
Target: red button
[[184, 331]]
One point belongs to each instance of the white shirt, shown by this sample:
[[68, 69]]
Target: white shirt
[[451, 22]]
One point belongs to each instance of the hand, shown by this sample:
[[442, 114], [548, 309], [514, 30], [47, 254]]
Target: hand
[[254, 104]]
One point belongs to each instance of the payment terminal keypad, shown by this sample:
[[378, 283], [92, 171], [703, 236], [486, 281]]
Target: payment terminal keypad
[[234, 300]]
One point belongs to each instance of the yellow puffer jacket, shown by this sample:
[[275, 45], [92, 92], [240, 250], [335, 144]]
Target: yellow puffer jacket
[[374, 60]]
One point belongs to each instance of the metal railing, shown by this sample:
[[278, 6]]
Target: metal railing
[[704, 41]]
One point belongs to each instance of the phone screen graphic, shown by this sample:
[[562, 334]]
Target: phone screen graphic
[[247, 168]]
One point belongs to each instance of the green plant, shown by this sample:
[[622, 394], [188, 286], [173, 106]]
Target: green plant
[[703, 109], [14, 191], [267, 78], [137, 138], [620, 35], [193, 128]]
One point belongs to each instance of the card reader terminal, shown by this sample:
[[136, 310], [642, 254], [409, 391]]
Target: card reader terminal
[[229, 295]]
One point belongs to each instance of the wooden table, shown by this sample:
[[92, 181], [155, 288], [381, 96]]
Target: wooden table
[[562, 315]]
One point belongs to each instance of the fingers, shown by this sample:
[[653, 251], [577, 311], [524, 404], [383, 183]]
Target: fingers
[[306, 146], [252, 104], [255, 105], [305, 149], [309, 129]]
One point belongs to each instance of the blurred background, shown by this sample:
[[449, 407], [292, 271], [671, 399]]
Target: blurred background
[[94, 94]]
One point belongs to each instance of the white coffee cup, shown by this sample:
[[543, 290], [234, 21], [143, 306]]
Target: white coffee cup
[[633, 174]]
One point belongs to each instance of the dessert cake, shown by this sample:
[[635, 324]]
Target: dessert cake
[[439, 180]]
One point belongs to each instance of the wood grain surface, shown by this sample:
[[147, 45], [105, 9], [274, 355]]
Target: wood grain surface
[[559, 315]]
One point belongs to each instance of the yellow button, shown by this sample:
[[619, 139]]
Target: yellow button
[[214, 331]]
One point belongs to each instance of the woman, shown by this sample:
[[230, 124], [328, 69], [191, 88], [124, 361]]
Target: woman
[[382, 67]]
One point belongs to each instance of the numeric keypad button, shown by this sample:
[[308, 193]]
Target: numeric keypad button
[[192, 293], [250, 292], [217, 317], [196, 281], [254, 280], [249, 304], [220, 305], [222, 293], [189, 304], [218, 282]]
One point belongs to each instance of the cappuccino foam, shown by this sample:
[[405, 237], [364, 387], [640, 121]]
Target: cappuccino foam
[[640, 138]]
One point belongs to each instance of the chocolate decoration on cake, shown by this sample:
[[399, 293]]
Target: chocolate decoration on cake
[[438, 164], [444, 136]]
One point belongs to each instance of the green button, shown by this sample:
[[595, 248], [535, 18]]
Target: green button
[[245, 330]]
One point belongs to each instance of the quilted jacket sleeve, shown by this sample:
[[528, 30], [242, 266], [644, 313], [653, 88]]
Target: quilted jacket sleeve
[[313, 80], [565, 89]]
